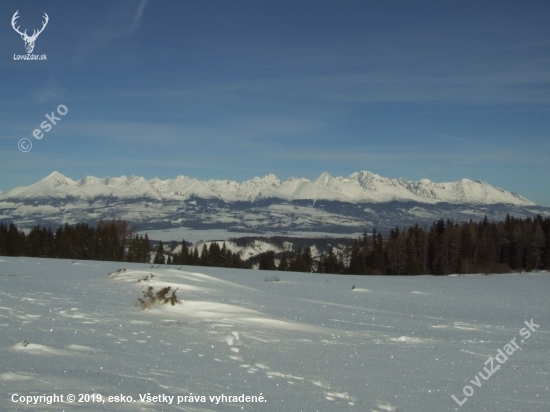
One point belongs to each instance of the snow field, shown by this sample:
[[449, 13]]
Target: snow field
[[306, 343]]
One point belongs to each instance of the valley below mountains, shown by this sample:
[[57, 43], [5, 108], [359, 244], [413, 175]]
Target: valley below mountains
[[328, 204]]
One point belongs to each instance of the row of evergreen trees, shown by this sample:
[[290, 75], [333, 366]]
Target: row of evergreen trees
[[300, 261], [108, 241], [447, 247], [209, 256]]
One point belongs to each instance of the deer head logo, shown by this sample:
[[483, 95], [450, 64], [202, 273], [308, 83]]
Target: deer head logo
[[29, 40]]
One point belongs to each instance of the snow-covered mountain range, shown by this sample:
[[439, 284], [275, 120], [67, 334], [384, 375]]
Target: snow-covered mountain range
[[326, 204], [360, 187]]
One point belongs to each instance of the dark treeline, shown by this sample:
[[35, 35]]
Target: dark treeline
[[214, 255], [112, 241], [321, 243], [470, 247], [447, 247], [108, 241]]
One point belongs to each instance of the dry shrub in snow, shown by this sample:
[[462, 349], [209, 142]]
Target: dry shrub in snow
[[162, 297]]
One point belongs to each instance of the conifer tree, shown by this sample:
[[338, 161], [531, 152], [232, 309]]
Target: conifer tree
[[204, 259], [378, 258], [357, 263], [396, 252], [159, 256], [214, 255], [267, 260], [236, 261], [195, 260], [3, 240], [182, 258], [283, 263], [145, 250], [307, 259]]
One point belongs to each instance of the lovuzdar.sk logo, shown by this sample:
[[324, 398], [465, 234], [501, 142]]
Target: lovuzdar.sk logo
[[29, 40]]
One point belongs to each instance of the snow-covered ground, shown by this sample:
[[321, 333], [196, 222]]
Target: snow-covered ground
[[305, 343]]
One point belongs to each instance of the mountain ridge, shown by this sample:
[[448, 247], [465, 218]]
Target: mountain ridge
[[359, 187]]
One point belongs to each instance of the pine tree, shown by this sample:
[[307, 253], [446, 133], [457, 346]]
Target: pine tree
[[204, 259], [396, 252], [283, 263], [134, 247], [378, 258], [182, 258], [267, 261], [159, 256], [195, 260], [357, 263], [214, 255], [236, 261], [535, 245], [307, 260], [145, 254], [223, 256], [3, 239]]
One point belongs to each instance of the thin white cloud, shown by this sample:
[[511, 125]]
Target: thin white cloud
[[50, 92], [139, 12], [104, 36], [401, 156], [225, 133]]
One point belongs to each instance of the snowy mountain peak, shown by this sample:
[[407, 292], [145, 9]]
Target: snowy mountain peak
[[324, 179], [55, 175], [270, 179], [57, 179], [359, 187]]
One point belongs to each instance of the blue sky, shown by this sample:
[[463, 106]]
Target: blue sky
[[235, 89]]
